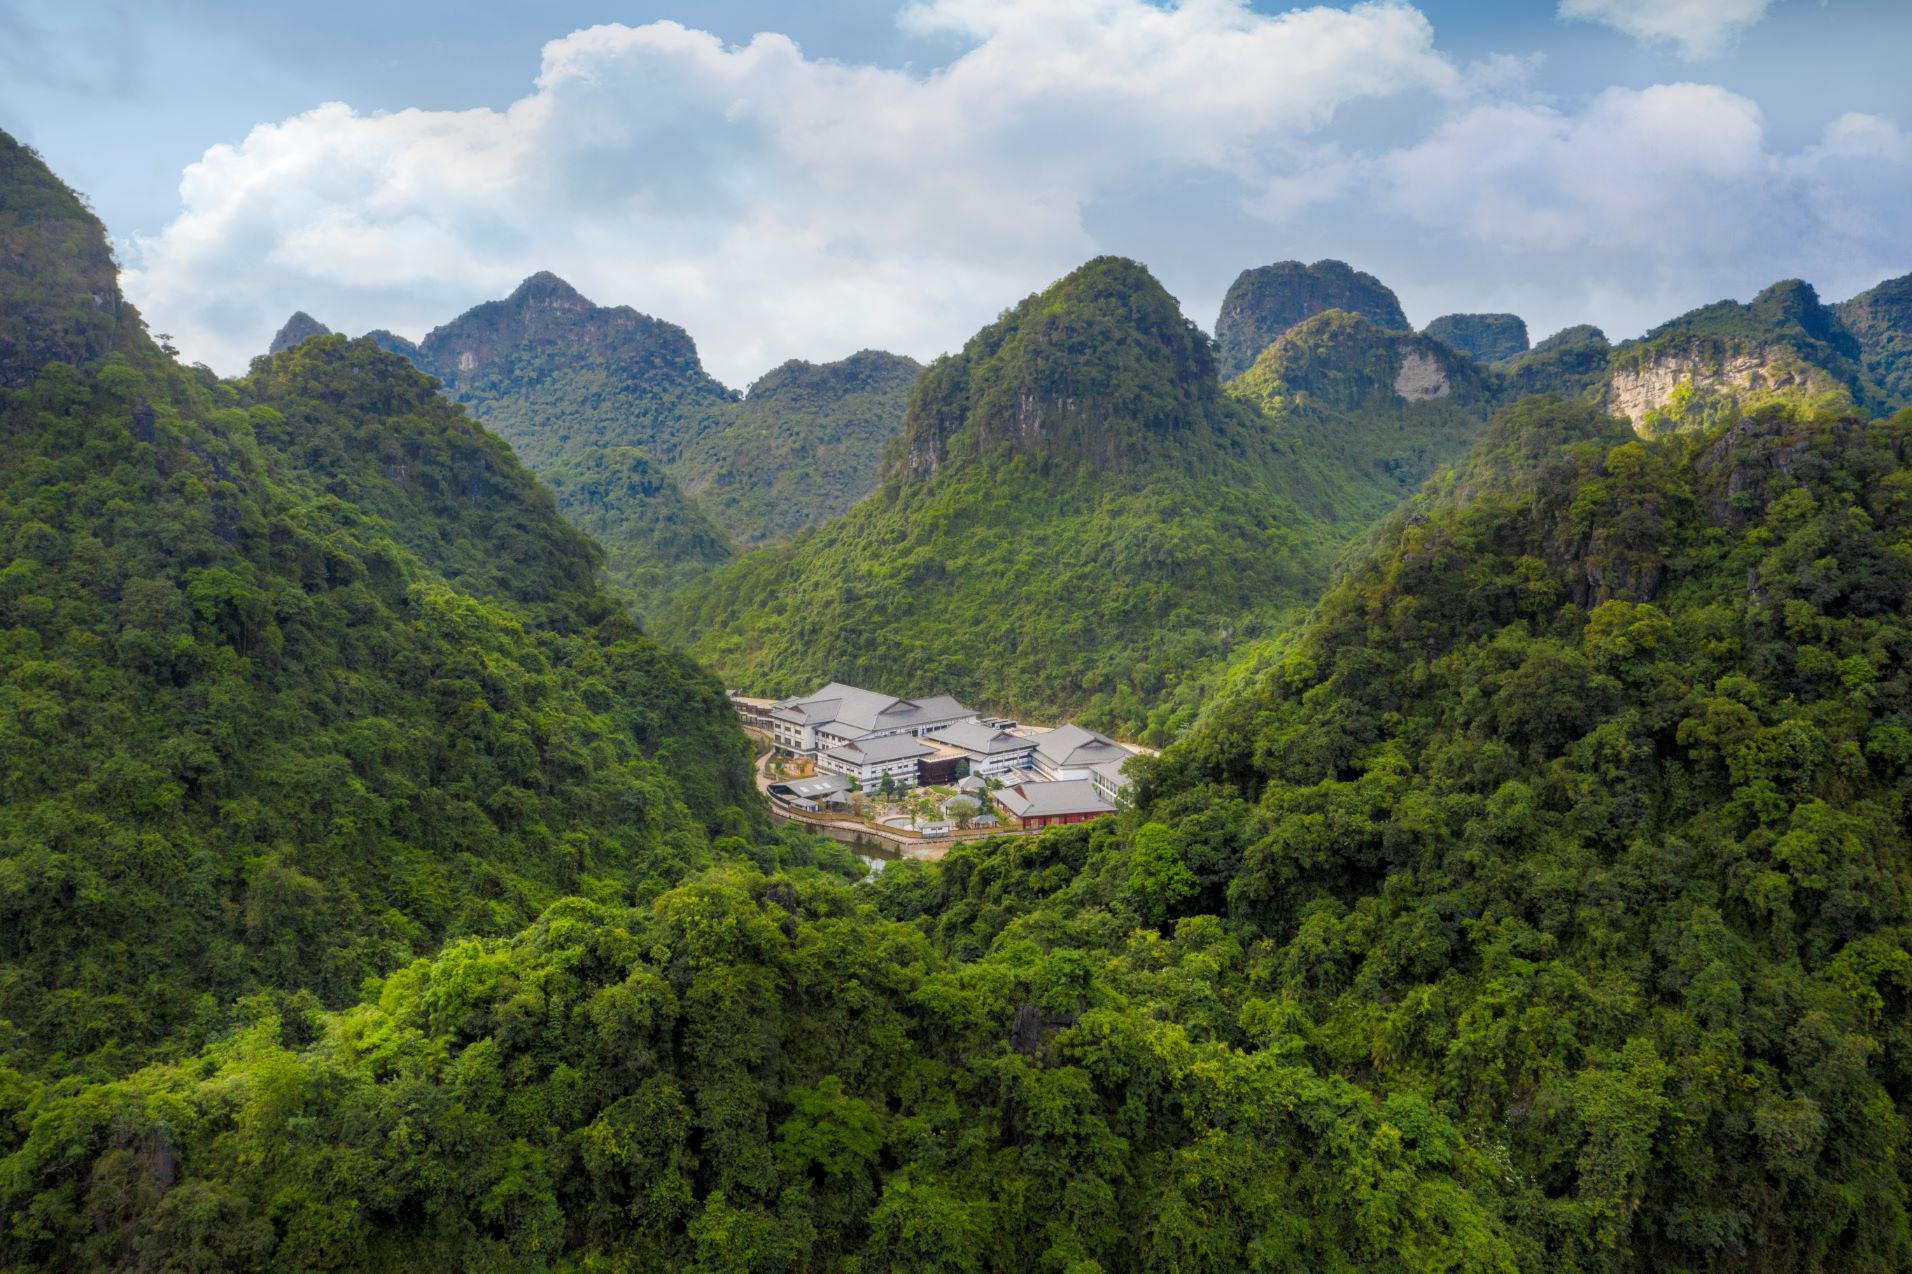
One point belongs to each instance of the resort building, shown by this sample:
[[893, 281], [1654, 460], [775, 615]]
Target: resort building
[[838, 714], [1070, 752], [1037, 803], [861, 735], [990, 751], [868, 760], [812, 793]]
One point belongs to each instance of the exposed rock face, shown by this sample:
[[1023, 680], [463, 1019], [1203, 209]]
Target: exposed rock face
[[1343, 361], [1881, 320], [1263, 303], [59, 289], [1783, 341], [1421, 377], [298, 329], [1637, 390], [1490, 338]]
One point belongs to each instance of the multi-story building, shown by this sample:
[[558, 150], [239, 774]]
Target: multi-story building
[[1070, 752], [1039, 803], [990, 751], [869, 760], [840, 714]]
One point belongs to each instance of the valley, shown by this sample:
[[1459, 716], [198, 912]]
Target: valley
[[1467, 829]]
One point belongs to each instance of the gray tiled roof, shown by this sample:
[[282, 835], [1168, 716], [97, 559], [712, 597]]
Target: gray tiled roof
[[820, 785], [1074, 747], [838, 705], [973, 737], [894, 747], [1067, 796]]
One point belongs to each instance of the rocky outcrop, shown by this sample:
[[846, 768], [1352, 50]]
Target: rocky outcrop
[[59, 288], [1488, 338], [298, 329], [1784, 341], [1265, 302], [1641, 388], [1421, 378]]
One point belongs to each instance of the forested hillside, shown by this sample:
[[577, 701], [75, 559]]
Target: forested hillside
[[299, 676], [1880, 319], [1079, 520], [374, 895], [662, 465], [804, 445], [1264, 302], [1578, 812], [1542, 908]]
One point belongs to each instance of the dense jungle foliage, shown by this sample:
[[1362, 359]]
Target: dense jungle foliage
[[1490, 338], [1881, 320], [375, 896], [654, 539], [299, 676], [1543, 907], [804, 445], [1078, 520]]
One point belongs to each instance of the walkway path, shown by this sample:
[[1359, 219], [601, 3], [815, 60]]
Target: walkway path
[[855, 831]]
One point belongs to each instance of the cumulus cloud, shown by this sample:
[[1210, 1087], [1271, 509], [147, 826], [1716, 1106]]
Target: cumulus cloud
[[1698, 28], [780, 205], [1644, 202], [773, 203]]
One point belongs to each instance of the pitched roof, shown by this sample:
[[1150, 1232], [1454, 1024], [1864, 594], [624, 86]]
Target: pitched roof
[[973, 737], [865, 711], [1072, 746], [819, 785], [893, 747], [1065, 796]]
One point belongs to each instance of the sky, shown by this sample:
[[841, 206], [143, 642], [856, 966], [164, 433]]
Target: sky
[[802, 180]]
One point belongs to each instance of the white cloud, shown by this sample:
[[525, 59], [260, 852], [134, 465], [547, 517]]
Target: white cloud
[[779, 205], [774, 204], [1646, 202], [1699, 28]]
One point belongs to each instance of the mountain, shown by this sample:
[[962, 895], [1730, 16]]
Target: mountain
[[556, 376], [1080, 521], [59, 289], [1576, 811], [1881, 321], [804, 445], [393, 343], [301, 675], [1726, 355], [559, 376], [1572, 363], [1264, 302], [298, 329], [1490, 338], [1377, 410], [575, 386], [655, 540]]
